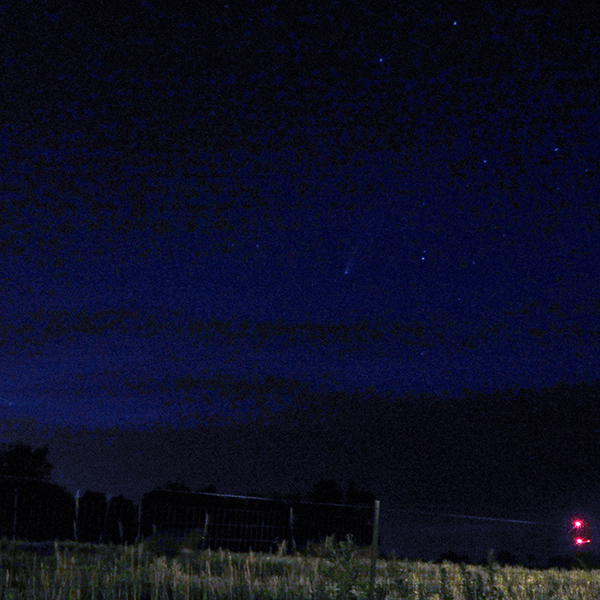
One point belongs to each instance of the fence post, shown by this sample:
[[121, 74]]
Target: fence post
[[15, 508], [374, 551], [292, 538], [205, 531], [76, 519], [139, 523]]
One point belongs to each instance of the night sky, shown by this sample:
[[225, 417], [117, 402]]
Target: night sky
[[259, 244]]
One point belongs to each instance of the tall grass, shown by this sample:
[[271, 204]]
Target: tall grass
[[84, 571]]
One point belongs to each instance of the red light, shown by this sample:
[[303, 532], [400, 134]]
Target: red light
[[579, 532]]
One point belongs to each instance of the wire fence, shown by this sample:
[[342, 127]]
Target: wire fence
[[35, 510], [240, 523], [39, 511]]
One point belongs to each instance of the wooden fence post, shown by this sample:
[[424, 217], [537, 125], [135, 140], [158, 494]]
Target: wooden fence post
[[374, 552]]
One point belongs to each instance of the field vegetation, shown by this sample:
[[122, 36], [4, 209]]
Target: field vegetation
[[158, 569]]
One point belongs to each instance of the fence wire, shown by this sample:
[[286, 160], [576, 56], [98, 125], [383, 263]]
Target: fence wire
[[40, 511]]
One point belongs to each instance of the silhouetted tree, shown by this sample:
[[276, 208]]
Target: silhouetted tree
[[180, 486], [35, 510], [92, 517], [454, 557], [507, 558], [21, 460], [45, 511], [121, 520], [356, 496], [174, 486], [326, 490]]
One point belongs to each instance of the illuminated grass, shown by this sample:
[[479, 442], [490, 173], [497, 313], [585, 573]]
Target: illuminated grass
[[85, 571]]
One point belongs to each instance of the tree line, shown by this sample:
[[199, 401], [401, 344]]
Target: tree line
[[35, 509]]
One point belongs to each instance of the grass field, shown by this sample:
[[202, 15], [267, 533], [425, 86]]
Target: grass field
[[85, 571]]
